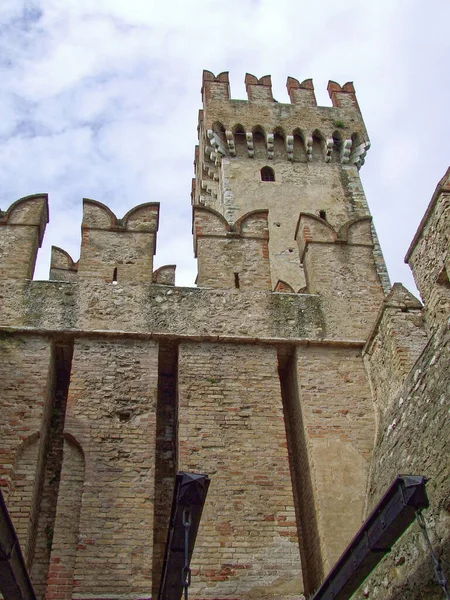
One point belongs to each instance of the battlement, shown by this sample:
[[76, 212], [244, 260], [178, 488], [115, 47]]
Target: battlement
[[429, 255], [111, 248], [229, 127], [231, 256], [22, 228], [62, 266]]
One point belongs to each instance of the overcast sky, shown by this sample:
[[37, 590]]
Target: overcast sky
[[99, 99]]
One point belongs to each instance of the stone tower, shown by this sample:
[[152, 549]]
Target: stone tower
[[272, 375]]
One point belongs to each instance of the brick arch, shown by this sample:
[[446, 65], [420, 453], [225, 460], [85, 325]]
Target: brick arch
[[21, 499], [65, 542]]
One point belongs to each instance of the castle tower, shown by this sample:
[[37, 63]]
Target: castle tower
[[259, 154]]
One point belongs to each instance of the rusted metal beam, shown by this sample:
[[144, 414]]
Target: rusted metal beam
[[15, 582], [387, 522], [187, 504]]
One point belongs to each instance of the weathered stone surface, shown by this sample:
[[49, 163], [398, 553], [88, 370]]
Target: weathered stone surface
[[429, 255], [413, 438]]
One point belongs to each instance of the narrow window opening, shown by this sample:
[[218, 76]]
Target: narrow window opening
[[236, 281], [323, 215], [267, 174], [114, 280]]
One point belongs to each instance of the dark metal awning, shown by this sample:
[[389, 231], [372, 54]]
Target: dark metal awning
[[15, 583], [188, 499], [387, 522]]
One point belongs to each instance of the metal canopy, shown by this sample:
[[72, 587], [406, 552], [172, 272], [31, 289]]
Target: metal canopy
[[15, 583], [188, 499], [388, 520]]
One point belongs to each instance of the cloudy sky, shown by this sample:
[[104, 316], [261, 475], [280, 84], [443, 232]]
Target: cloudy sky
[[99, 99]]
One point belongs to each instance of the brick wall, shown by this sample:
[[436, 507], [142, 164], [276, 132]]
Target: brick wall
[[26, 384], [111, 412], [339, 426], [231, 427]]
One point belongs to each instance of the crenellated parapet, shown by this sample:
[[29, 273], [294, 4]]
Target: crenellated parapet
[[115, 249], [259, 90], [339, 265], [300, 131], [312, 229], [396, 341], [302, 93], [62, 265], [429, 255], [22, 229], [231, 256], [165, 275]]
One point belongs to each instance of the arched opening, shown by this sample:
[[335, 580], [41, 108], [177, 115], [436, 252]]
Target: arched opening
[[259, 142], [219, 131], [323, 214], [337, 146], [299, 148], [267, 174], [114, 279], [240, 141], [317, 146], [279, 146]]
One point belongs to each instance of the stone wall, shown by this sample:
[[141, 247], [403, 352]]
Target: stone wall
[[338, 424], [429, 255], [22, 228], [413, 438]]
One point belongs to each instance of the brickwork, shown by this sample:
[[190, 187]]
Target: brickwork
[[231, 426], [396, 342], [413, 437], [22, 228], [62, 358], [25, 381], [62, 267], [65, 541], [118, 249], [338, 421], [340, 267], [232, 257], [112, 401]]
